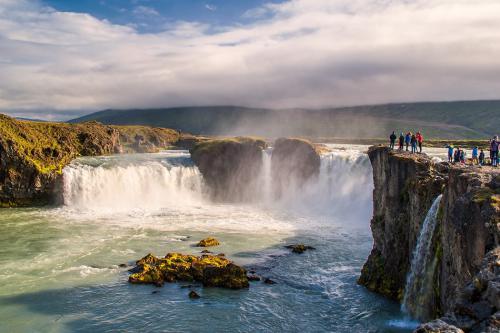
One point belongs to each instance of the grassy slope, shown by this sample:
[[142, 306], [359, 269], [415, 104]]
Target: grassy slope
[[459, 120], [49, 146]]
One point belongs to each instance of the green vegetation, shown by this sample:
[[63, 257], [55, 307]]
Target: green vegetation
[[33, 154], [444, 120], [215, 145]]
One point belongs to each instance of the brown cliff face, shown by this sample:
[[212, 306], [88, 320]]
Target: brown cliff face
[[467, 226], [33, 154], [405, 187], [230, 167]]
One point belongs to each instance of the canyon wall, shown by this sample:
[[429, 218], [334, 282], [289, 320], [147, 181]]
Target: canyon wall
[[467, 230]]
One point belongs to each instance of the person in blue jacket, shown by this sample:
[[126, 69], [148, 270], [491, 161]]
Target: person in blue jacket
[[475, 155], [450, 153], [407, 140]]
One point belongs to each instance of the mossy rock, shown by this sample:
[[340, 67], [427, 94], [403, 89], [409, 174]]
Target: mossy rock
[[211, 271], [208, 242], [230, 167], [299, 248]]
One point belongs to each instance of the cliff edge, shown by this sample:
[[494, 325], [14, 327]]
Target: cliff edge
[[467, 232]]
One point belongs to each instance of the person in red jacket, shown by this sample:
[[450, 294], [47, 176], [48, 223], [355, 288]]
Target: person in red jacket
[[420, 139]]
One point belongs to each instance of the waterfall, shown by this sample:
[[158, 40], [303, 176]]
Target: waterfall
[[266, 180], [419, 282], [154, 182]]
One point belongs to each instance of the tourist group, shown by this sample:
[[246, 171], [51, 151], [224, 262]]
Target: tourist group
[[455, 155]]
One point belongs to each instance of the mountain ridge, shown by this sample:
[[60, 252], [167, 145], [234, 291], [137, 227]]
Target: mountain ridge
[[459, 119]]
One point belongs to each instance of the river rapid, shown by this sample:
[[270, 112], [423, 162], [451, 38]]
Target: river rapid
[[60, 267]]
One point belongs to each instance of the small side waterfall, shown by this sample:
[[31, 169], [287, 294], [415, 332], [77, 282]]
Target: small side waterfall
[[419, 282], [266, 175]]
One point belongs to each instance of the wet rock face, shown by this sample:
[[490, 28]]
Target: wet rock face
[[293, 162], [467, 229], [230, 167], [212, 271], [478, 307], [405, 188]]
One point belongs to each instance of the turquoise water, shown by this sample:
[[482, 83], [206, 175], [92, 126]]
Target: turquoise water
[[59, 267]]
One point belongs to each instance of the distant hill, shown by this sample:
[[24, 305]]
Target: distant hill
[[459, 120]]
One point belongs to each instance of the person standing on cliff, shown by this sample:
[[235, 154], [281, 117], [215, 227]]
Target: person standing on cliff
[[407, 140], [393, 139], [481, 158], [413, 144], [450, 153], [420, 139], [401, 141], [475, 153], [494, 151], [456, 156]]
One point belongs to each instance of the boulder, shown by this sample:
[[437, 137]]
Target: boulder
[[230, 167], [207, 242], [299, 248], [193, 295], [211, 271], [293, 162]]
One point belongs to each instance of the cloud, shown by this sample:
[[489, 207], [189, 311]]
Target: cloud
[[145, 11], [210, 7], [300, 53]]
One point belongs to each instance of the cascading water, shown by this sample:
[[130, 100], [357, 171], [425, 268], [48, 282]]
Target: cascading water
[[419, 281], [342, 189], [153, 182], [123, 184], [266, 175]]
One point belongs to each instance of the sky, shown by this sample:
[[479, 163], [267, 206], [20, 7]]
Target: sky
[[62, 58]]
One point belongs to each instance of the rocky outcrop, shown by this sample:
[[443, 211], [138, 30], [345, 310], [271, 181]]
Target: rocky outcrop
[[478, 305], [33, 154], [405, 187], [212, 271], [467, 227], [230, 167], [293, 162], [208, 242], [438, 326]]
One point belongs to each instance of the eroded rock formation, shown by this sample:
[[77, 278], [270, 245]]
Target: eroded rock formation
[[230, 167], [467, 230]]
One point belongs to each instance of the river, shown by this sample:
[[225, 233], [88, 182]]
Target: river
[[60, 266]]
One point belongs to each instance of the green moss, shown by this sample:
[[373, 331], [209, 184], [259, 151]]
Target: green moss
[[487, 195], [213, 146], [215, 271], [207, 242]]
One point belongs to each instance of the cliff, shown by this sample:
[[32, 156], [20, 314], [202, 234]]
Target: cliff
[[467, 227], [33, 154], [230, 167]]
